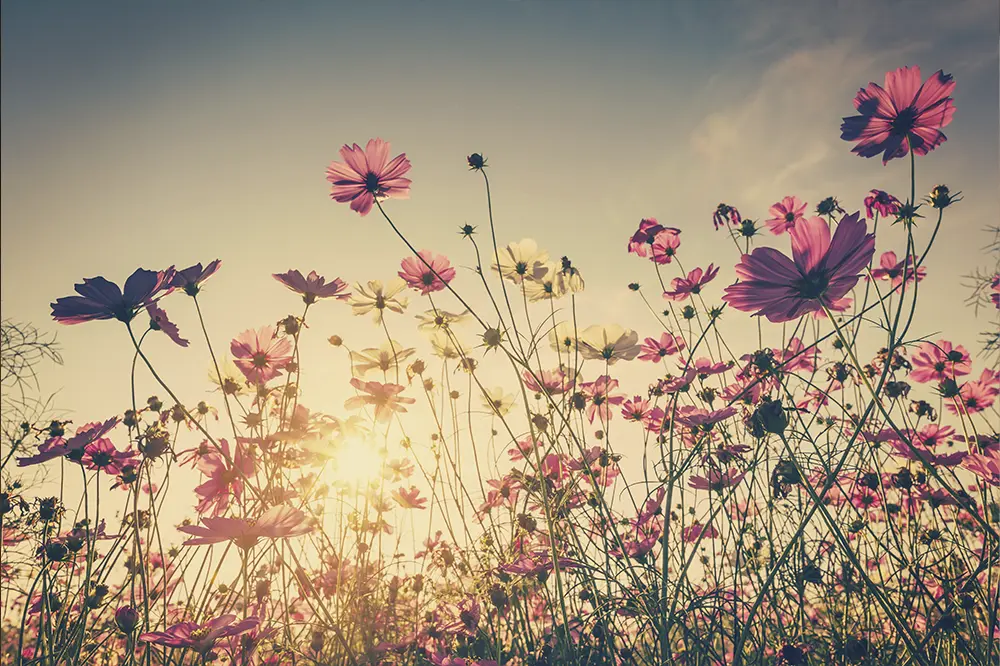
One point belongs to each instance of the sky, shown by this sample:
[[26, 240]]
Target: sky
[[141, 134]]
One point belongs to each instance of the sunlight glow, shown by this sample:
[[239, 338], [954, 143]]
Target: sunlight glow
[[357, 461]]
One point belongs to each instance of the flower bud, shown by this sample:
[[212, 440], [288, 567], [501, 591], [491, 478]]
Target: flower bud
[[127, 619]]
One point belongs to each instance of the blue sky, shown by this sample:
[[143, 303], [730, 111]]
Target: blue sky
[[140, 135]]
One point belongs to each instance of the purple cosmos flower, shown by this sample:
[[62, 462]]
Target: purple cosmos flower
[[159, 321], [905, 115], [101, 299], [200, 637], [881, 202], [820, 272], [314, 286], [190, 278], [724, 213], [681, 288], [785, 214]]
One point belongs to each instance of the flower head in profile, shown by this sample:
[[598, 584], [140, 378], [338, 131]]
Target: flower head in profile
[[314, 286], [890, 268], [409, 499], [682, 288], [200, 637], [377, 298], [785, 214], [609, 343], [725, 214], [427, 272], [159, 321], [278, 522], [904, 115], [191, 278], [260, 354], [367, 174], [882, 203], [101, 299], [822, 270], [522, 261], [384, 398]]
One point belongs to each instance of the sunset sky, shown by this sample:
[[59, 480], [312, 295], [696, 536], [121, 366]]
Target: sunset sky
[[141, 135]]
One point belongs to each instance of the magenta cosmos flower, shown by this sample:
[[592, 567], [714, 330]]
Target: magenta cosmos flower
[[682, 288], [726, 214], [905, 115], [314, 286], [882, 203], [427, 272], [260, 354], [159, 321], [820, 273], [276, 523], [785, 214], [101, 299], [200, 637], [367, 174], [642, 241], [892, 269]]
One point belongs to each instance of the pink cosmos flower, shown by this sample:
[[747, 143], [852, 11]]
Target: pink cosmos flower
[[665, 245], [977, 395], [654, 350], [890, 268], [935, 362], [882, 203], [985, 464], [314, 286], [428, 272], [224, 482], [785, 214], [551, 382], [695, 532], [641, 242], [159, 321], [905, 115], [368, 174], [682, 288], [278, 522], [409, 499], [384, 398], [200, 637], [599, 398], [717, 480], [101, 455], [822, 270], [701, 419], [73, 447], [260, 354]]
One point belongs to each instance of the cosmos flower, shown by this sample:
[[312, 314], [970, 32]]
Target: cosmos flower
[[882, 203], [609, 343], [904, 115], [985, 464], [314, 286], [428, 272], [976, 396], [654, 350], [717, 480], [378, 298], [436, 320], [159, 321], [260, 354], [665, 245], [641, 242], [200, 637], [498, 400], [191, 278], [101, 455], [551, 382], [522, 261], [890, 268], [409, 499], [278, 522], [599, 397], [726, 214], [682, 288], [368, 174], [822, 270], [390, 355], [100, 299], [384, 398], [785, 214], [224, 482], [936, 362], [54, 447]]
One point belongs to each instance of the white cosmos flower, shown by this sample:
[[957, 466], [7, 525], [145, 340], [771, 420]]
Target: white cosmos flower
[[609, 343], [384, 358], [519, 261], [499, 401], [378, 298]]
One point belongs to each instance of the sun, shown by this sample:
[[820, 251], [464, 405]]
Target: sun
[[357, 461]]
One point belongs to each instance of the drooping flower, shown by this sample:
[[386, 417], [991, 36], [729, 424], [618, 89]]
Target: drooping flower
[[522, 261], [368, 174], [682, 288], [890, 268], [882, 203], [785, 214], [100, 299], [609, 343], [200, 637], [159, 321], [378, 298], [314, 286], [384, 398], [427, 272], [191, 278], [936, 362], [822, 270], [726, 214], [260, 354], [904, 115], [278, 522]]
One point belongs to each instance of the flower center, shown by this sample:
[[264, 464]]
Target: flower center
[[101, 459], [789, 217], [427, 279], [904, 121], [371, 182], [812, 286], [260, 360]]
